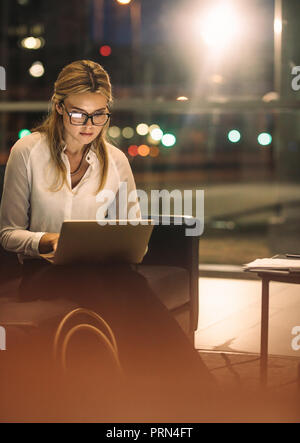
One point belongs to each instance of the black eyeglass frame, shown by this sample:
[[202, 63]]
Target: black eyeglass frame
[[88, 116]]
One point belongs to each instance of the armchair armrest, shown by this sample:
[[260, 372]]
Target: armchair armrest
[[170, 246]]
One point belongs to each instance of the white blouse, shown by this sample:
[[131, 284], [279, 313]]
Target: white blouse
[[29, 210]]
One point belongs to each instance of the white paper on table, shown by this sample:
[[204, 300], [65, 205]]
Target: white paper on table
[[283, 264]]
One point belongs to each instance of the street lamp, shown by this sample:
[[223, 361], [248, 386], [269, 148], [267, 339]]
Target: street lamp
[[124, 2], [136, 21], [220, 26], [278, 47]]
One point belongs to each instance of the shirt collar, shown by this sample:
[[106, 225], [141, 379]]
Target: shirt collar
[[92, 148], [91, 157]]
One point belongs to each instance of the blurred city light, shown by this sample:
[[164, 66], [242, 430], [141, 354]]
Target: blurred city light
[[154, 151], [182, 98], [168, 140], [32, 42], [23, 132], [217, 79], [114, 131], [142, 129], [277, 26], [37, 29], [270, 97], [128, 132], [151, 140], [143, 150], [234, 136], [154, 126], [156, 134], [220, 26], [124, 2], [133, 150], [264, 139], [105, 50], [37, 69]]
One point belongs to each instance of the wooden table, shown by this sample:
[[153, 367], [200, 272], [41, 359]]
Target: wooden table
[[266, 277]]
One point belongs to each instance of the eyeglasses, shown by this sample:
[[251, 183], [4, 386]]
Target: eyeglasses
[[80, 118]]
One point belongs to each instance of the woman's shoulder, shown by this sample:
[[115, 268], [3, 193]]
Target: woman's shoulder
[[25, 144], [116, 153]]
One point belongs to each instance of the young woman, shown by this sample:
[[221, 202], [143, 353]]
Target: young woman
[[54, 174]]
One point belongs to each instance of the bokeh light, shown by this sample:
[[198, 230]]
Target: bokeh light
[[143, 150], [23, 132], [156, 134], [182, 98], [105, 50], [32, 42], [219, 27], [234, 136], [114, 131], [133, 150], [277, 26], [37, 69], [152, 141], [142, 129], [154, 126], [154, 151], [217, 79], [127, 132], [264, 139], [168, 140]]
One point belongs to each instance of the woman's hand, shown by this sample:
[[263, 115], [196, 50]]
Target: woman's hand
[[48, 242]]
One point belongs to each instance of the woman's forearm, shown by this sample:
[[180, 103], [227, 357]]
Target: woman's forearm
[[20, 241]]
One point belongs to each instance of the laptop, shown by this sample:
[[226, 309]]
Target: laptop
[[102, 241]]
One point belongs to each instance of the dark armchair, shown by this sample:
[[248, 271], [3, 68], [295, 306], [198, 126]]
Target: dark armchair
[[171, 267]]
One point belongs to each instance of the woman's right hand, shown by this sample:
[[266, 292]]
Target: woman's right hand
[[48, 242]]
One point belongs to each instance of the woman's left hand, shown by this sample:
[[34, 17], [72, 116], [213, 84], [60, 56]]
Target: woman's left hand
[[48, 242]]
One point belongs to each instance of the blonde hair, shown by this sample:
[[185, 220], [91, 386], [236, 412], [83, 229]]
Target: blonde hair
[[77, 77]]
